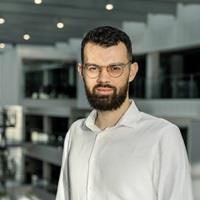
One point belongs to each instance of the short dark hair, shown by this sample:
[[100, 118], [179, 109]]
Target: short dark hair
[[106, 36]]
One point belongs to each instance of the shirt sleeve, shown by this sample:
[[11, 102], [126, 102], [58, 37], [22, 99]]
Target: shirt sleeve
[[172, 167], [63, 186]]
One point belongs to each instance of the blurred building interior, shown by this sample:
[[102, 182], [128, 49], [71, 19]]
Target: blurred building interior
[[41, 93]]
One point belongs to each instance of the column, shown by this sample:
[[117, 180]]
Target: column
[[152, 89], [176, 71]]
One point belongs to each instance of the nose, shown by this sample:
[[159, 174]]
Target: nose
[[103, 75]]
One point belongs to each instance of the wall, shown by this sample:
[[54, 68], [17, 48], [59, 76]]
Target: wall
[[9, 77], [165, 32]]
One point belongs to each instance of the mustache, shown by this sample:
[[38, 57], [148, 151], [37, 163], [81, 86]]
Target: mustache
[[104, 85]]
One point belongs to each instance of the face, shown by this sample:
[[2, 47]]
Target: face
[[105, 92]]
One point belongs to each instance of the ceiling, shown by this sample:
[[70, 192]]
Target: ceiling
[[23, 16]]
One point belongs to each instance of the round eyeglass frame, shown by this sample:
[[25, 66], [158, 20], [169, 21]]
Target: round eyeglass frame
[[85, 66]]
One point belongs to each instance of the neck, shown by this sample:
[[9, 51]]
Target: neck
[[110, 118]]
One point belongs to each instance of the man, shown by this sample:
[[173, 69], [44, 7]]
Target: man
[[118, 152]]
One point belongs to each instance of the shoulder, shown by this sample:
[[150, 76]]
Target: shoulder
[[162, 134], [77, 124], [73, 129], [153, 121], [157, 127]]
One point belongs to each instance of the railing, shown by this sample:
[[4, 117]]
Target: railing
[[174, 86]]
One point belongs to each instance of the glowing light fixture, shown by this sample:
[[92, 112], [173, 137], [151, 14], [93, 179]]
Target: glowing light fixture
[[2, 45], [60, 25], [2, 20], [38, 1], [26, 37], [109, 6]]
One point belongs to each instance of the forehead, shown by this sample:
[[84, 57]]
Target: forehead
[[94, 52]]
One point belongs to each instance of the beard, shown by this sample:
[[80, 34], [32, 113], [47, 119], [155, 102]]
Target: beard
[[106, 102]]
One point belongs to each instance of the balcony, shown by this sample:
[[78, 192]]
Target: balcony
[[178, 86]]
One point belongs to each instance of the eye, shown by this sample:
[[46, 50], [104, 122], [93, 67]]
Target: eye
[[115, 68], [92, 68]]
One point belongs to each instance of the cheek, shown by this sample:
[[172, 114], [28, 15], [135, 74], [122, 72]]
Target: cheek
[[123, 86], [122, 81], [89, 83]]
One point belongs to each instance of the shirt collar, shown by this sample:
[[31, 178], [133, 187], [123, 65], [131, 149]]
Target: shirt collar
[[90, 121], [129, 119]]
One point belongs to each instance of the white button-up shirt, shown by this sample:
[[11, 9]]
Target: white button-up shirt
[[141, 158]]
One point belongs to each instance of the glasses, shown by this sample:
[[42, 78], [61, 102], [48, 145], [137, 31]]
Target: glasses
[[114, 70]]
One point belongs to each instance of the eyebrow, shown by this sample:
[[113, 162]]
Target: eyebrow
[[115, 63]]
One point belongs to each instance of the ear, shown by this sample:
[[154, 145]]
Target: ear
[[133, 71], [80, 69]]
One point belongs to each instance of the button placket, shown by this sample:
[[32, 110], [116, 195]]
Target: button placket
[[91, 166]]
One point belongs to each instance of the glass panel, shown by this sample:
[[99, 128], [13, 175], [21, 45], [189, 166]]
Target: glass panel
[[33, 83]]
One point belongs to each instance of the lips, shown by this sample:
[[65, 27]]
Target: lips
[[104, 90]]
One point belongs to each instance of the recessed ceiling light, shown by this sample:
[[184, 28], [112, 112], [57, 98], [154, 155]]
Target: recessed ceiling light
[[26, 36], [2, 45], [60, 25], [109, 6], [38, 1], [2, 20]]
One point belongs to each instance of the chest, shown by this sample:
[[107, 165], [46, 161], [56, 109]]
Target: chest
[[121, 157]]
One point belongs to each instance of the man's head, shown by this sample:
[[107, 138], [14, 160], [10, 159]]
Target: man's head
[[107, 67], [106, 36]]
